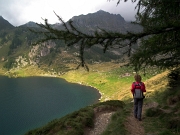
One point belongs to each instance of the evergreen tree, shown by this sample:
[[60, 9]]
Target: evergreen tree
[[159, 40], [161, 43]]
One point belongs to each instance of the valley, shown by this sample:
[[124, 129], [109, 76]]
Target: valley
[[109, 73]]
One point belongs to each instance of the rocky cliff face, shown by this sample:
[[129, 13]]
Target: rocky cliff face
[[103, 20]]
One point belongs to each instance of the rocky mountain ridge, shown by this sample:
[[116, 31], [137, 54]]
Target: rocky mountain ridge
[[103, 20], [17, 42]]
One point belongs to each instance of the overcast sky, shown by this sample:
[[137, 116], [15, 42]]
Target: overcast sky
[[19, 12]]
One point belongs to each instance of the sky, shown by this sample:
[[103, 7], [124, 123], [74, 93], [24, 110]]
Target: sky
[[19, 12]]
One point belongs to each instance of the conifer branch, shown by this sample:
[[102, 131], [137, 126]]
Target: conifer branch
[[159, 38]]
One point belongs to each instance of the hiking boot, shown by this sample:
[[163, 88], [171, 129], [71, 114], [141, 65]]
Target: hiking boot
[[135, 116], [139, 119]]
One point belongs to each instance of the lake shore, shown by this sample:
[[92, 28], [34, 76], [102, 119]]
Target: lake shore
[[10, 74], [84, 84]]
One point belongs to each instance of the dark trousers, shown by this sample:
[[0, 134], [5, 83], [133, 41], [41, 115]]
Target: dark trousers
[[138, 103]]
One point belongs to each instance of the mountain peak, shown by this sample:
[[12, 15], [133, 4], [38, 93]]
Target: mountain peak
[[100, 20], [4, 24], [30, 24], [101, 11]]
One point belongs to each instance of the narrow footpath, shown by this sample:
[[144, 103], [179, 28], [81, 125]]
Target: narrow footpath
[[134, 126], [100, 124]]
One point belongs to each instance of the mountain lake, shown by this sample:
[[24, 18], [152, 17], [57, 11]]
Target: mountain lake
[[31, 102]]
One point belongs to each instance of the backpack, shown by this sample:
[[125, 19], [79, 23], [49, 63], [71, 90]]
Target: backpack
[[138, 92]]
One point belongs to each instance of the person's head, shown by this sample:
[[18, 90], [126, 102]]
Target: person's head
[[137, 78]]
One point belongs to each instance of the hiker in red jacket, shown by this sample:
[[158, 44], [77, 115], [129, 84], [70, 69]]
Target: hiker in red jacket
[[137, 90]]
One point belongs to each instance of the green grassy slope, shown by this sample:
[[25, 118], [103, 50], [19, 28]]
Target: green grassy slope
[[162, 106]]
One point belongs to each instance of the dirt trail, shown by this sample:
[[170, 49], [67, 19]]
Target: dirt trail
[[102, 119], [134, 126], [100, 124]]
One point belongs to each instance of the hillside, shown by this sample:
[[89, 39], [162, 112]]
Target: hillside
[[18, 49], [114, 116]]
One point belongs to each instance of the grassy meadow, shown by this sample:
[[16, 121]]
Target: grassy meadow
[[112, 80]]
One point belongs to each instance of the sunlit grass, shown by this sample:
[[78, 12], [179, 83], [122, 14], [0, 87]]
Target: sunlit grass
[[109, 86], [24, 72], [111, 81], [156, 84]]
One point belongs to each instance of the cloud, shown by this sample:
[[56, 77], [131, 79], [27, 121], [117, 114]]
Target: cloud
[[19, 12], [12, 10]]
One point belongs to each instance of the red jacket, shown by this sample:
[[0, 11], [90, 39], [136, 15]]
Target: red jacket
[[142, 87]]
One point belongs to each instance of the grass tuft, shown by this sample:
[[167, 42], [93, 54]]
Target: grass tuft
[[154, 112]]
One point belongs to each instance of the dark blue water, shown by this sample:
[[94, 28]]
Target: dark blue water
[[28, 103]]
